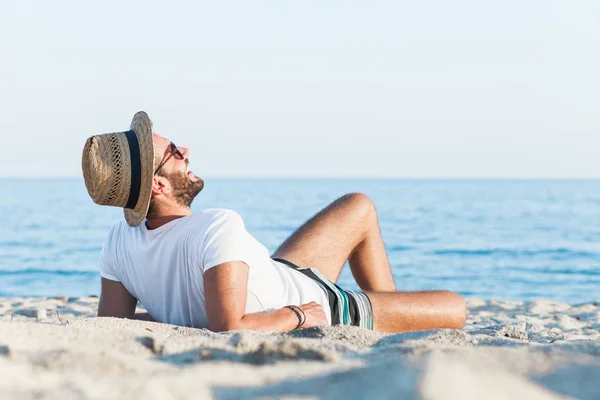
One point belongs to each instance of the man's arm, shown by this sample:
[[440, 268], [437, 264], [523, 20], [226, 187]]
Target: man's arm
[[225, 291], [116, 301]]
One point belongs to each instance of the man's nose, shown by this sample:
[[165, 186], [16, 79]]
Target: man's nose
[[185, 152]]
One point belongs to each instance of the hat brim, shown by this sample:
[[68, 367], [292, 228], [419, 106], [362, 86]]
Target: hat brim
[[142, 126]]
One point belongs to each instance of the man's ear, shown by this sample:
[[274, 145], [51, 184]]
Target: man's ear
[[159, 185]]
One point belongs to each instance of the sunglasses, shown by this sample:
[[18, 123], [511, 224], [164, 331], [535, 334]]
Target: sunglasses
[[174, 152]]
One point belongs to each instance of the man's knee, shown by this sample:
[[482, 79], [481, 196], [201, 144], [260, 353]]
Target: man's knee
[[459, 309], [360, 203]]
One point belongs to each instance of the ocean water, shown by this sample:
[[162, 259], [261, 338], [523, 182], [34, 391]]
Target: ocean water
[[492, 239]]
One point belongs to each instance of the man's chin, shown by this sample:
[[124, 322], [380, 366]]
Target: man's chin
[[196, 185], [193, 177]]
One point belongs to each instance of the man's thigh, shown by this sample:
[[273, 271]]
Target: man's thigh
[[326, 240]]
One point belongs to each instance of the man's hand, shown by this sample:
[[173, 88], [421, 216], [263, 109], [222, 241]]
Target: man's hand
[[315, 315]]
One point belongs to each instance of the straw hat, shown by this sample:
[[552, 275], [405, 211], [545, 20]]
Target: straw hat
[[118, 168]]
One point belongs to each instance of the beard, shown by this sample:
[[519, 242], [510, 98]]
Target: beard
[[184, 190]]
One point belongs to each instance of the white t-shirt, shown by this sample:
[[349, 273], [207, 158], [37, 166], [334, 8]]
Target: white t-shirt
[[163, 268]]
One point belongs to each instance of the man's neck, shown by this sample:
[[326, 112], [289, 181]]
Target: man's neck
[[166, 217]]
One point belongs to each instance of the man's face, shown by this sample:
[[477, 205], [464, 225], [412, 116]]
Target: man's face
[[175, 167]]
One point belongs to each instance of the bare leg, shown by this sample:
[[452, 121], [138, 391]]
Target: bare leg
[[417, 311], [347, 229]]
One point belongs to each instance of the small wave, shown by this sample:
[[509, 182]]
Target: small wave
[[78, 250], [549, 271], [53, 272], [27, 244], [425, 240], [277, 228], [400, 248], [560, 253]]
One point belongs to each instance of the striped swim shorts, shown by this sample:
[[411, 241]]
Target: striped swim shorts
[[347, 307]]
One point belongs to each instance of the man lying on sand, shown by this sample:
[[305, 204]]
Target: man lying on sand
[[205, 270]]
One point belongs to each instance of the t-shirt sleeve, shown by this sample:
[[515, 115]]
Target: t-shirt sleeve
[[226, 240], [107, 261]]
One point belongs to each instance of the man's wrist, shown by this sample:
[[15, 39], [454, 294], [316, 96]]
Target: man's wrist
[[299, 314]]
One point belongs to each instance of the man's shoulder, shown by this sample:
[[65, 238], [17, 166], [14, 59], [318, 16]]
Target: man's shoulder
[[115, 235], [215, 214], [205, 218], [216, 219], [118, 228]]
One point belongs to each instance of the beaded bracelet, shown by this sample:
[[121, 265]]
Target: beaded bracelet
[[300, 314]]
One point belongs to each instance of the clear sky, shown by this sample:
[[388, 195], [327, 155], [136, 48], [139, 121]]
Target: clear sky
[[431, 88]]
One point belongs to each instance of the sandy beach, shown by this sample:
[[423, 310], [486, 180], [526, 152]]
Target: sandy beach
[[55, 348]]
